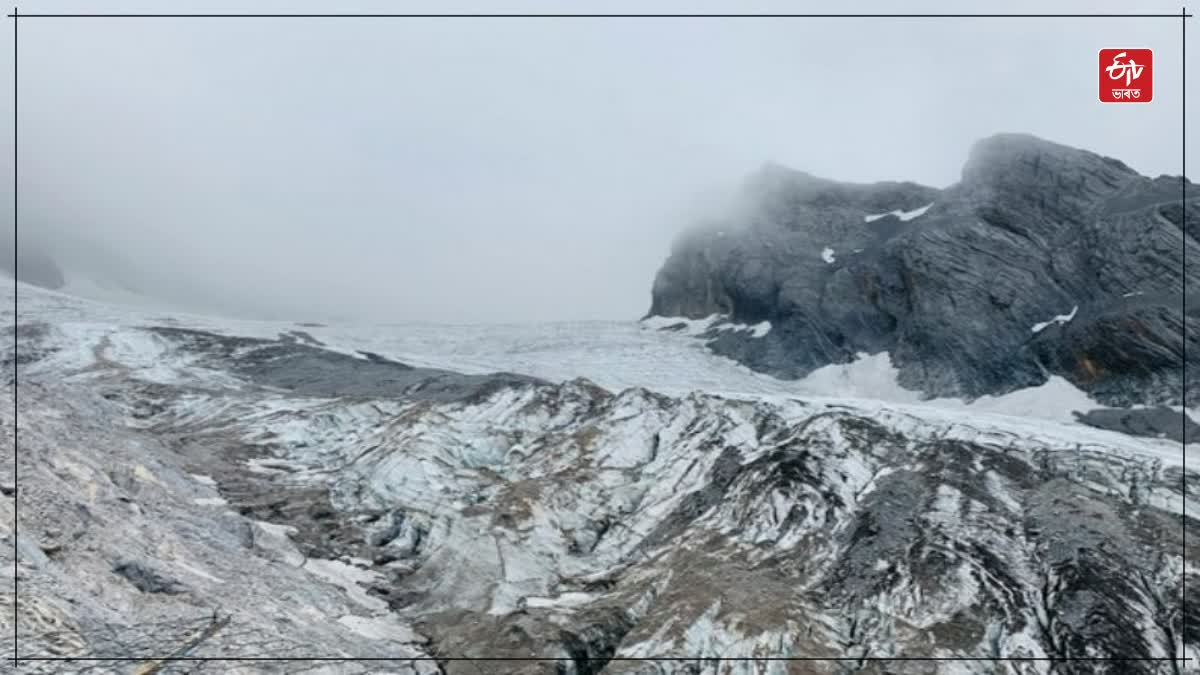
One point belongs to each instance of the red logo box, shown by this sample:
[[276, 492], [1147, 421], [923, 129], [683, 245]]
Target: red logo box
[[1126, 75]]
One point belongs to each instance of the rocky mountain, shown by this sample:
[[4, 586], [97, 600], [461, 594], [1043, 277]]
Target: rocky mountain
[[1043, 260], [204, 489]]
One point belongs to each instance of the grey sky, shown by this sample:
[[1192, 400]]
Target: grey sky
[[494, 170]]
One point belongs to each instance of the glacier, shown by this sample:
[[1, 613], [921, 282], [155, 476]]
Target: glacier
[[582, 497]]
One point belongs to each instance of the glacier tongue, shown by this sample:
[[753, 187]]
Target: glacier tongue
[[435, 514]]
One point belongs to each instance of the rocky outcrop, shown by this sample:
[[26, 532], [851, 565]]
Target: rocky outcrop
[[309, 370], [1042, 260], [1157, 422]]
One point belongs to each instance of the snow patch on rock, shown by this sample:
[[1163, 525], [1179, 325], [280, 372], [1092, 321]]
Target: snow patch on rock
[[380, 628], [902, 215], [1060, 319], [348, 577]]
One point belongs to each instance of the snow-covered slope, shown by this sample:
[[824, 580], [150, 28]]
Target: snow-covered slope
[[623, 497], [613, 354]]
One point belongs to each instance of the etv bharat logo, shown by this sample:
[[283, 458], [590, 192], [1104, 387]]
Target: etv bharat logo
[[1126, 75]]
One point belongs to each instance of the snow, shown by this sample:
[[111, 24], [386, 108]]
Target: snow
[[650, 458], [902, 215], [348, 577], [680, 325], [198, 572], [380, 628], [827, 255], [273, 466], [569, 599], [872, 376], [615, 355], [1055, 399], [756, 330], [276, 529], [868, 376], [1060, 319], [210, 501], [143, 474]]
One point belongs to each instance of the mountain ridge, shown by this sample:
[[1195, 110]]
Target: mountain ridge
[[1032, 231]]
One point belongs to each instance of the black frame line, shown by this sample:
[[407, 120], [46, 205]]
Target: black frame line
[[1183, 357], [16, 468], [595, 16], [626, 659], [1183, 15]]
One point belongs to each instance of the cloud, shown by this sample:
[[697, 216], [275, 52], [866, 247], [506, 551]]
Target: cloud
[[476, 170]]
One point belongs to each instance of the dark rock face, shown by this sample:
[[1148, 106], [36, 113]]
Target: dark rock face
[[1161, 422], [1033, 231]]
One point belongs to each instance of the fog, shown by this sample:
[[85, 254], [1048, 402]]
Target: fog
[[515, 169]]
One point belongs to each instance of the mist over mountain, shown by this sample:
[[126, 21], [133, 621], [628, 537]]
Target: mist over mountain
[[1042, 260], [36, 266]]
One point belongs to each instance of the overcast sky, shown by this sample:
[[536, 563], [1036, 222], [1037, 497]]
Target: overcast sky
[[511, 170]]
